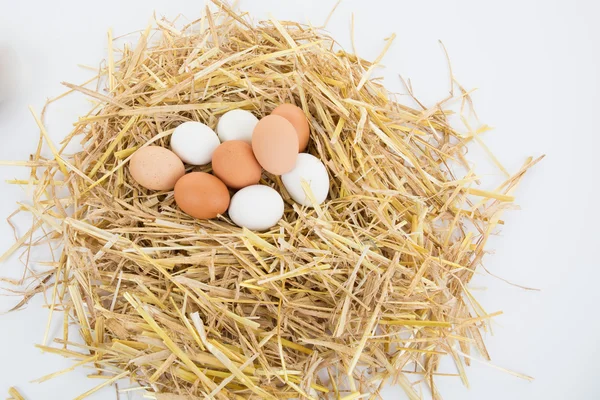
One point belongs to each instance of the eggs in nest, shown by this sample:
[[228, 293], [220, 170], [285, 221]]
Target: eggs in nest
[[239, 150]]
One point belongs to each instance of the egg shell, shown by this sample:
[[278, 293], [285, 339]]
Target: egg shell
[[298, 119], [156, 168], [201, 195], [256, 207], [234, 163], [275, 144], [194, 142], [236, 125], [313, 171]]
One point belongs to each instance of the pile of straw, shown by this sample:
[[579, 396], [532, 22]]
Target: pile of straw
[[367, 289]]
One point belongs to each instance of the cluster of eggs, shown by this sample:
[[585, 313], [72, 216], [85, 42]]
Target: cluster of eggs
[[239, 151]]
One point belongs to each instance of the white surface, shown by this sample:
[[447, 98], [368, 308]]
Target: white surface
[[256, 207], [8, 71], [537, 64], [310, 169], [236, 125]]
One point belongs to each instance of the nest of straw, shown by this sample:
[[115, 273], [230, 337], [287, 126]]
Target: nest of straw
[[368, 288]]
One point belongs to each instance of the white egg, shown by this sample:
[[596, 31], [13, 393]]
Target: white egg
[[236, 125], [194, 143], [256, 207], [310, 169]]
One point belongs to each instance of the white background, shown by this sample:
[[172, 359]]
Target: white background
[[537, 66]]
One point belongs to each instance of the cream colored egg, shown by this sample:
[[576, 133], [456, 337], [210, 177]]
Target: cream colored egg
[[194, 143], [236, 125], [256, 207], [311, 170]]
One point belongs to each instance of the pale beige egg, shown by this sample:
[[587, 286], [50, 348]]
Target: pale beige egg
[[156, 168]]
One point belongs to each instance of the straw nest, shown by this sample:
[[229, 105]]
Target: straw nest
[[368, 288]]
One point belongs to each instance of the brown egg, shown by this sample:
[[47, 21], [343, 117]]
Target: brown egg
[[156, 168], [275, 144], [234, 163], [297, 118], [201, 195]]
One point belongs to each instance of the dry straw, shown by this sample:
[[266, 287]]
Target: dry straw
[[370, 288]]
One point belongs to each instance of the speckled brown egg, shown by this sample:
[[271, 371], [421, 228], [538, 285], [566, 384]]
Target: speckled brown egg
[[234, 163], [156, 168], [298, 119], [275, 144], [201, 195]]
